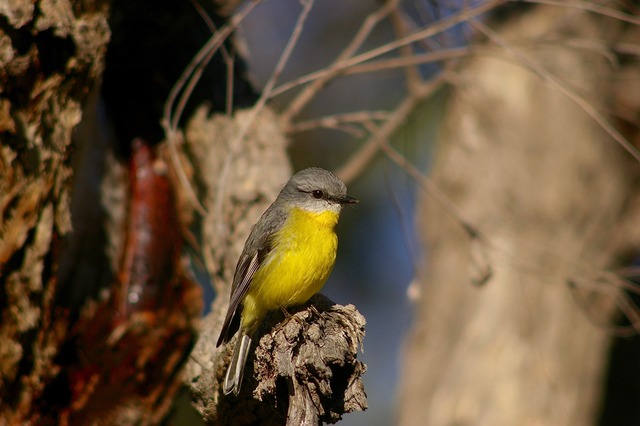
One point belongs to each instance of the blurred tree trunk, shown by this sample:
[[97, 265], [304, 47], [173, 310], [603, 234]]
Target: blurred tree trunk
[[552, 204]]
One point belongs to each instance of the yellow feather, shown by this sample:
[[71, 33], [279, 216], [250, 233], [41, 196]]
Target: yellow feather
[[300, 262]]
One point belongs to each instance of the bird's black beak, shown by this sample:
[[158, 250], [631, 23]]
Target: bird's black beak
[[345, 199]]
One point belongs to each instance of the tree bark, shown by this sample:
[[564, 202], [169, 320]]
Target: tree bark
[[546, 203], [43, 43]]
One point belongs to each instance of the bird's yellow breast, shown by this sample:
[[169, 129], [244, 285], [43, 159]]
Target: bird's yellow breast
[[302, 257]]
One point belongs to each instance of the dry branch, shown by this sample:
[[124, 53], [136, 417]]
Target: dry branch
[[304, 371]]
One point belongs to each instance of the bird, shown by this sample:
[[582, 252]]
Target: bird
[[286, 259]]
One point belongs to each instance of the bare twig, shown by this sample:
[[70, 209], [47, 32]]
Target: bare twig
[[414, 79], [413, 60], [260, 104], [354, 166], [339, 67], [191, 74], [187, 81], [432, 189], [548, 77], [227, 57], [591, 6], [310, 91], [580, 299], [343, 122]]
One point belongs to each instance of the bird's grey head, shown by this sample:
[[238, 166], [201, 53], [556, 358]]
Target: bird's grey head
[[316, 190]]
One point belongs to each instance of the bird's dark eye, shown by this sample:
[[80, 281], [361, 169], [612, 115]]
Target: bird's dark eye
[[317, 194]]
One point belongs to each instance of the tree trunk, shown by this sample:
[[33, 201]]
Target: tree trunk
[[546, 204], [43, 43]]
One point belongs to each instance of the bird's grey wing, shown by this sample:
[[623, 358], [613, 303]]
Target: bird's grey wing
[[257, 248], [245, 270]]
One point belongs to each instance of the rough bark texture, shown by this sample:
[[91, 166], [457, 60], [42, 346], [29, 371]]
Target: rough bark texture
[[51, 54], [304, 371], [326, 380], [554, 200], [307, 364]]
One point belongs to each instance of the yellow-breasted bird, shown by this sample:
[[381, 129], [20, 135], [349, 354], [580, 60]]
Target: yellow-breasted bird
[[286, 259]]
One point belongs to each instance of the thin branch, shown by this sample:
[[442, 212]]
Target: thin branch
[[629, 310], [431, 188], [626, 48], [413, 60], [581, 301], [590, 6], [361, 159], [235, 144], [339, 122], [547, 76], [339, 67], [227, 57], [305, 96], [198, 62], [413, 76], [430, 31], [187, 81]]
